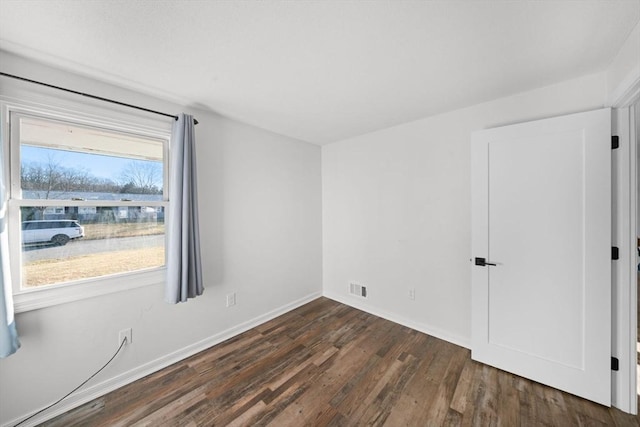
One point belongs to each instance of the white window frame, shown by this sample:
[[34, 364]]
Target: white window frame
[[85, 115]]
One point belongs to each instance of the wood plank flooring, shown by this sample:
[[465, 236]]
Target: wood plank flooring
[[327, 364]]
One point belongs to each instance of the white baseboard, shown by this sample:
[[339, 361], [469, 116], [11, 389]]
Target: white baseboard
[[421, 327], [141, 371]]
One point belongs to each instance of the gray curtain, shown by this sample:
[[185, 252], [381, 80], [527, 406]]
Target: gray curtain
[[184, 269], [9, 343]]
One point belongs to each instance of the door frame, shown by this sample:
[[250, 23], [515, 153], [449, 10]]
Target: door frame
[[624, 233]]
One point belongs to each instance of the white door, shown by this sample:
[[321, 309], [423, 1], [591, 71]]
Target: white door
[[541, 212]]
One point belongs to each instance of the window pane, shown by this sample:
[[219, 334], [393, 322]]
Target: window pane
[[70, 162], [89, 242]]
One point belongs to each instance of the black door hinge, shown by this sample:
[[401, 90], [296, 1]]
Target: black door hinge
[[615, 364], [615, 142], [615, 253]]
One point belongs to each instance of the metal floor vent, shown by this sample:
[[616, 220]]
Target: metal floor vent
[[357, 290]]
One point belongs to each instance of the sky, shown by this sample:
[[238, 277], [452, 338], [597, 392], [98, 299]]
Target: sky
[[97, 165]]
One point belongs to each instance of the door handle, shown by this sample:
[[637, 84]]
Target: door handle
[[483, 262]]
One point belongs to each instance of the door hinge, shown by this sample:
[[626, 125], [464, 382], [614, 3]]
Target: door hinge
[[615, 142], [615, 364], [615, 253]]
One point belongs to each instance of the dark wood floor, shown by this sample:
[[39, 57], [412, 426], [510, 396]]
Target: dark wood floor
[[329, 364]]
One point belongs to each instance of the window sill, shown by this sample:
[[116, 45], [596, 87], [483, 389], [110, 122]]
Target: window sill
[[60, 294]]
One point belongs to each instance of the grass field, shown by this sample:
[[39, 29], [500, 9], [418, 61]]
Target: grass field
[[52, 271], [109, 231]]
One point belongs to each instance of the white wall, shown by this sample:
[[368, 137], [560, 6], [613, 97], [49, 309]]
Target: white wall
[[396, 208], [260, 209]]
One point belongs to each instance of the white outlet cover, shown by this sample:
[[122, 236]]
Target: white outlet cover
[[128, 333], [231, 299]]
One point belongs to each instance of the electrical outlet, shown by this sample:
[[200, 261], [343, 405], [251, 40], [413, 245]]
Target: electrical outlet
[[231, 299], [125, 333], [412, 294]]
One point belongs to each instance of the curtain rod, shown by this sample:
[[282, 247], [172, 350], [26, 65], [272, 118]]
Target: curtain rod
[[92, 96]]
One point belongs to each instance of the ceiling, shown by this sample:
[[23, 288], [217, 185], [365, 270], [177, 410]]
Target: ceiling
[[322, 71]]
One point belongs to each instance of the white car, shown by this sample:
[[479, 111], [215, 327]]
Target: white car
[[57, 232]]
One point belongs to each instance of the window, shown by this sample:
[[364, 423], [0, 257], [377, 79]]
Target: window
[[87, 206]]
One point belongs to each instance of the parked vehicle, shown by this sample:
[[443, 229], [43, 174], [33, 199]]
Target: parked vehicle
[[57, 232]]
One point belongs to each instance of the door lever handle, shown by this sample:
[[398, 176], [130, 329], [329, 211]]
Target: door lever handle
[[483, 262]]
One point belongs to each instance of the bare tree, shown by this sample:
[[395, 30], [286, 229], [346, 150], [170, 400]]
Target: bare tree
[[44, 178], [141, 177], [52, 180]]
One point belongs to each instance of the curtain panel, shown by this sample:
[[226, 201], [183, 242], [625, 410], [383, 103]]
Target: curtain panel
[[184, 267], [9, 342]]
